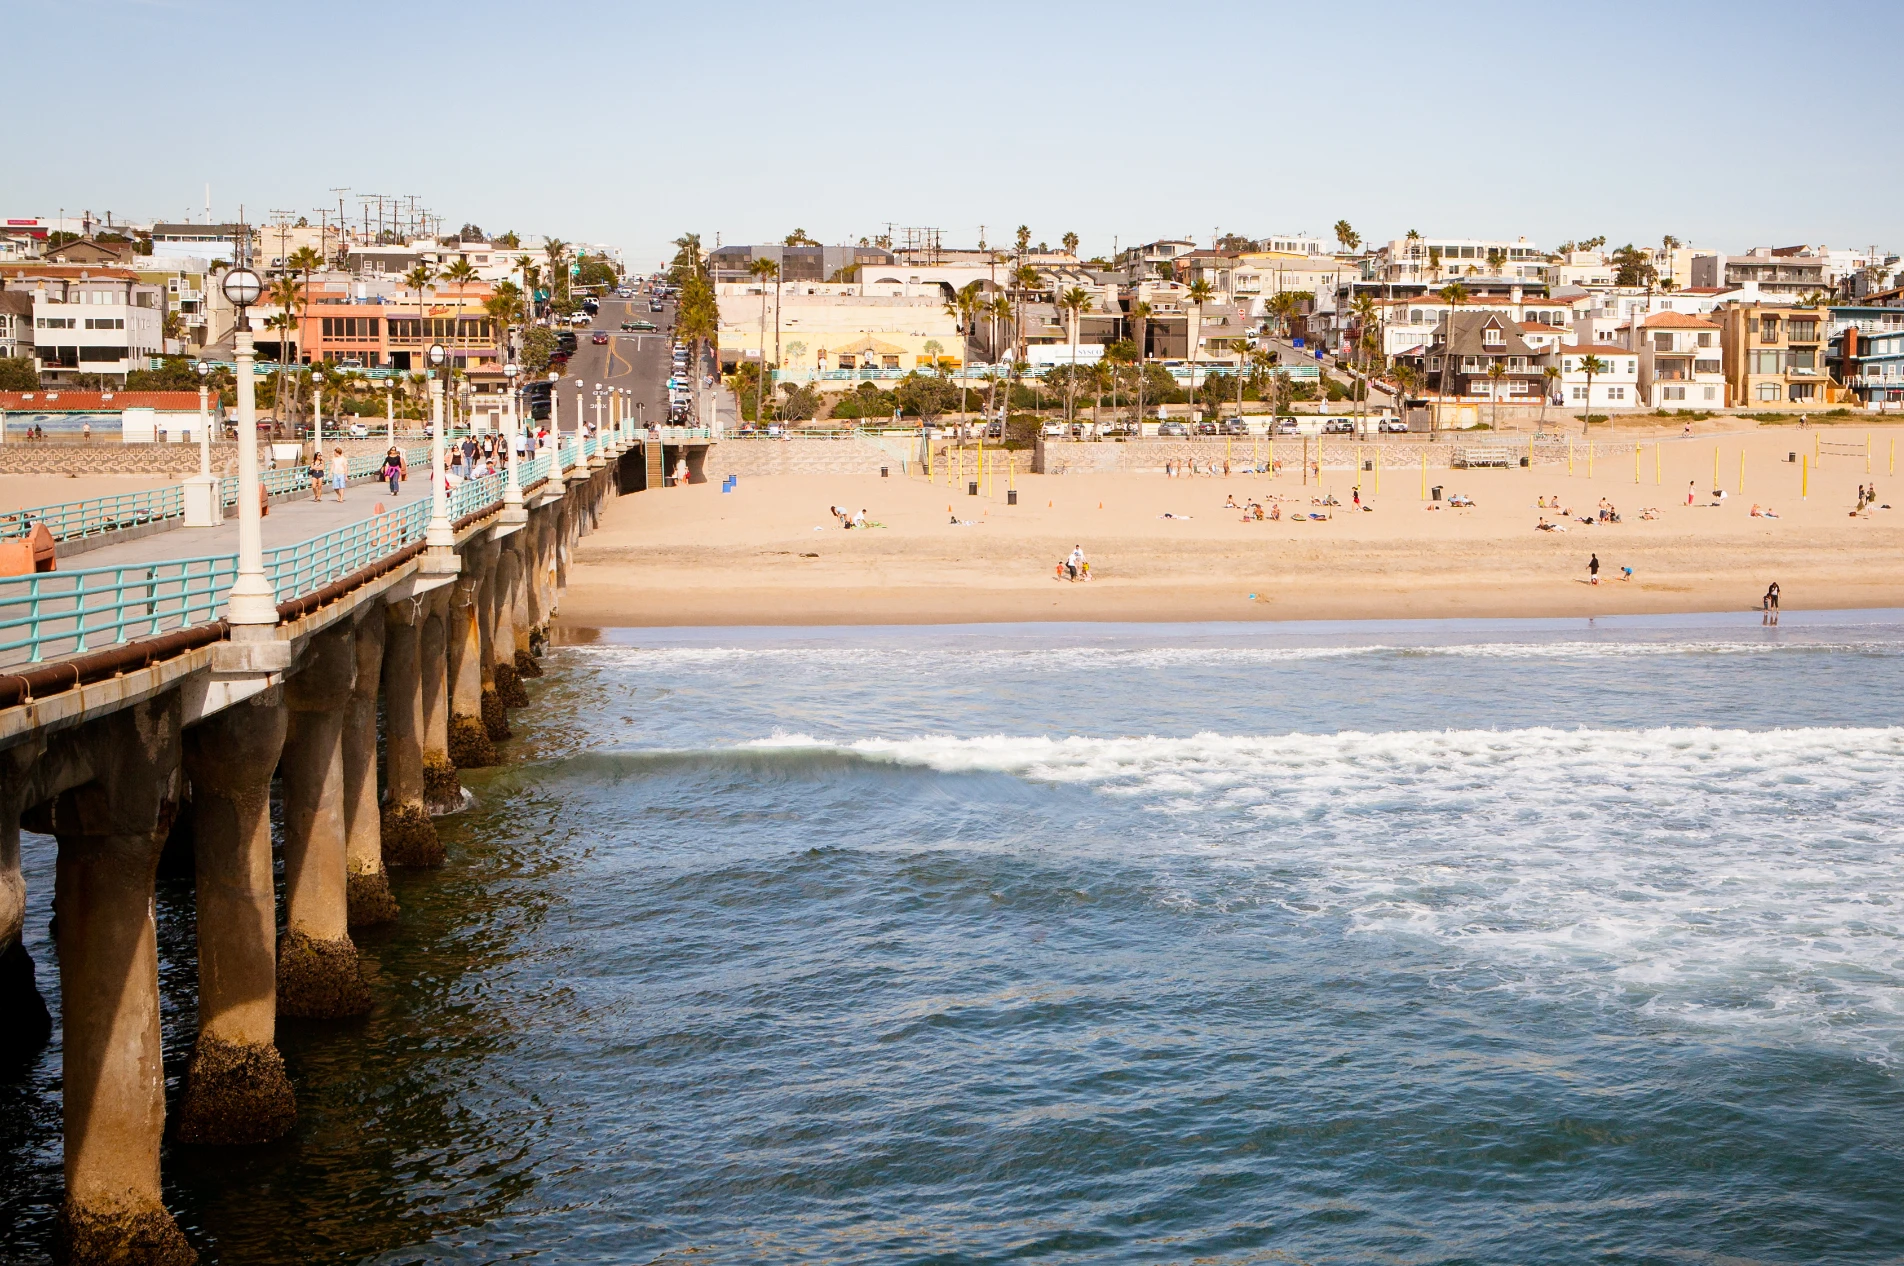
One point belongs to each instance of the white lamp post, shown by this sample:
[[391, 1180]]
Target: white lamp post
[[555, 433], [203, 506], [512, 511], [601, 436], [317, 412], [251, 600], [439, 536], [390, 412]]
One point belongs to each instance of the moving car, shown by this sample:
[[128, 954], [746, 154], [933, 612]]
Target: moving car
[[647, 326], [654, 305], [599, 338]]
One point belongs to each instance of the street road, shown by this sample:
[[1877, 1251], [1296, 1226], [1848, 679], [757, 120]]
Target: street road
[[637, 362]]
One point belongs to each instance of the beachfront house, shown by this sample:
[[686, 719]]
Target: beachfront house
[[1468, 347], [1680, 362], [1614, 382]]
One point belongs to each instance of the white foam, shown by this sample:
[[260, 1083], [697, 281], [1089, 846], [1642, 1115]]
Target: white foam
[[937, 658], [1746, 880]]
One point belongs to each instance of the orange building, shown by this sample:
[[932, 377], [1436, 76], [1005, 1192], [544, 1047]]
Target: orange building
[[397, 332]]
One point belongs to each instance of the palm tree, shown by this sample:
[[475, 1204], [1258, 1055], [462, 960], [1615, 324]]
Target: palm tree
[[557, 250], [1140, 320], [1075, 302], [1199, 293], [1070, 241], [1454, 294], [501, 310], [1548, 377], [1025, 281], [1590, 365], [963, 307], [460, 273], [420, 279], [762, 269], [1495, 372]]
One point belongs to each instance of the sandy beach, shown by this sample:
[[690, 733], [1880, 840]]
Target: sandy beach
[[768, 553]]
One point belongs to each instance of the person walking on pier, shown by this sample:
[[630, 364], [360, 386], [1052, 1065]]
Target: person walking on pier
[[340, 472]]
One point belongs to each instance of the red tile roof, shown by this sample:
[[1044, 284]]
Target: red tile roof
[[59, 400], [1679, 321], [1536, 327]]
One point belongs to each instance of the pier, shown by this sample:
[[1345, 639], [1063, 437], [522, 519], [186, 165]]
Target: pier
[[137, 714]]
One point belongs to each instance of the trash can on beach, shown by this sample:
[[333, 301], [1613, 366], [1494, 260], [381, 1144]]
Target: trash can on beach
[[971, 489], [1011, 497], [1435, 492], [883, 472]]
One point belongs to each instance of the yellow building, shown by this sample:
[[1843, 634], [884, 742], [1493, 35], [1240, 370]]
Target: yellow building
[[826, 332]]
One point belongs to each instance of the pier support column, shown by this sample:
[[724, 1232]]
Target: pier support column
[[236, 1090], [509, 691], [367, 884], [25, 1023], [488, 605], [408, 835], [470, 746], [442, 790], [110, 831], [318, 973]]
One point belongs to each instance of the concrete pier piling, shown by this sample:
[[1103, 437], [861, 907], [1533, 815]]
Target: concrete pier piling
[[25, 1023], [442, 790], [318, 973], [470, 744], [236, 1090], [367, 884], [119, 786], [408, 835]]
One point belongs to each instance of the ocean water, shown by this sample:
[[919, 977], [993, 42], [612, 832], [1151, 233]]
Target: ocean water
[[1478, 942]]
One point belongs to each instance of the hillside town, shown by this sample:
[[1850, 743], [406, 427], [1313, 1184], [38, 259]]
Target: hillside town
[[1441, 332]]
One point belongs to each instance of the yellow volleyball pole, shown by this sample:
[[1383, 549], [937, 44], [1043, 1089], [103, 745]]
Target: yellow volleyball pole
[[1656, 466], [1804, 475], [1379, 448], [1530, 452], [1589, 459], [1815, 450], [1715, 465], [1636, 461], [1011, 472], [1424, 474], [1570, 456], [1867, 452], [1893, 467]]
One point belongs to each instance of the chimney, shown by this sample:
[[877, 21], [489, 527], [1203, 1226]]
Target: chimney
[[1514, 295]]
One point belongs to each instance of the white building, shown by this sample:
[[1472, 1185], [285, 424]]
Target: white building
[[1434, 260], [1681, 365], [90, 320], [1590, 270], [1615, 381]]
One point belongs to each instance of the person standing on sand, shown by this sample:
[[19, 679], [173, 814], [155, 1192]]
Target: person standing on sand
[[1690, 485], [1593, 569]]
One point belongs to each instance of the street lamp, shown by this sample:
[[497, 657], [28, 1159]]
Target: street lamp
[[251, 600], [512, 510], [555, 433], [439, 536], [317, 411]]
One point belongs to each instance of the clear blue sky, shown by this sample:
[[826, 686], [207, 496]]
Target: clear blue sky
[[1727, 124]]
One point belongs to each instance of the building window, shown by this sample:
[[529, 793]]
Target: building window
[[1767, 362], [1676, 393], [1705, 339], [1662, 342], [1768, 391], [102, 353], [1579, 393], [1804, 331], [1711, 393], [1616, 393]]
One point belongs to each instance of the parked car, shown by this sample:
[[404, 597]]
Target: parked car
[[1206, 428], [1236, 426], [599, 338], [1286, 426], [1338, 426], [1395, 426], [1173, 428], [358, 431]]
